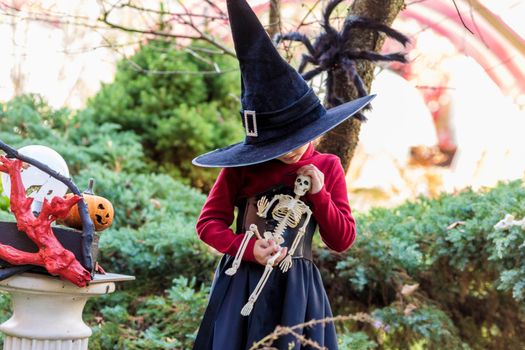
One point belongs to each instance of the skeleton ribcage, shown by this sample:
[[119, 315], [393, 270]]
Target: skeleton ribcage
[[294, 216]]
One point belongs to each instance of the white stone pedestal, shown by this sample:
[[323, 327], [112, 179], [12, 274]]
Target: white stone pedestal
[[47, 311]]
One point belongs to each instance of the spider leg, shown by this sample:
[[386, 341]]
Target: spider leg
[[331, 97], [329, 85], [375, 57], [330, 7], [360, 116], [295, 36], [309, 75], [366, 23], [304, 61], [353, 76]]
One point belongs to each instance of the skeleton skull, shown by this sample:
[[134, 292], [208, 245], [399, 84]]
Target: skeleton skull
[[302, 185]]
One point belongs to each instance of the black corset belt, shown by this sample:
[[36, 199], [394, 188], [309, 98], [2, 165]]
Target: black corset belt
[[248, 215]]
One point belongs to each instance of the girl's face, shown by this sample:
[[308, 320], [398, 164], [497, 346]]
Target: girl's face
[[294, 156]]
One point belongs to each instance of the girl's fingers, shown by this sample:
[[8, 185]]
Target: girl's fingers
[[263, 244], [284, 251], [268, 250], [310, 170], [312, 173], [315, 174], [307, 166], [283, 255]]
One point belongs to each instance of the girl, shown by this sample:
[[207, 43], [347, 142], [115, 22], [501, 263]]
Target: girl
[[281, 116]]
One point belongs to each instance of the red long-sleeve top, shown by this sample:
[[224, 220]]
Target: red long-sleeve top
[[329, 206]]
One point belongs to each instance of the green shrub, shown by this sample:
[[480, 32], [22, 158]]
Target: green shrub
[[28, 120], [177, 116], [5, 306], [142, 197], [5, 309], [153, 236], [157, 252], [356, 341], [167, 321], [470, 275], [154, 227]]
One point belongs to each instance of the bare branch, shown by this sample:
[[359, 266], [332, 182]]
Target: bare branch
[[185, 17], [129, 5], [139, 68], [307, 15], [104, 19], [461, 17], [280, 331]]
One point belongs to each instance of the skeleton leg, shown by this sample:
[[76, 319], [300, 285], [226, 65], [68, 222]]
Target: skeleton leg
[[286, 264], [238, 257], [248, 307]]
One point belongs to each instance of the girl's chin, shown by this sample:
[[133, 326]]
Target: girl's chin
[[289, 160]]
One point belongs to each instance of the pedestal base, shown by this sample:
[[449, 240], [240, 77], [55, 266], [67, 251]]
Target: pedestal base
[[15, 343], [47, 311]]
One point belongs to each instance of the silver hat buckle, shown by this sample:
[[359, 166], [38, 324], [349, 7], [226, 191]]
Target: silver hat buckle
[[250, 123]]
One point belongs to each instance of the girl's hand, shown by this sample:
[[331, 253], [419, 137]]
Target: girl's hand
[[264, 250], [315, 174]]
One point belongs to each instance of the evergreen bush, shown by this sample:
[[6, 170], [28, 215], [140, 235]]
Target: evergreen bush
[[176, 115], [153, 236], [28, 120], [470, 275]]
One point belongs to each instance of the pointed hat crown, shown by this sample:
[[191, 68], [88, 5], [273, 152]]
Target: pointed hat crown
[[269, 83], [280, 112]]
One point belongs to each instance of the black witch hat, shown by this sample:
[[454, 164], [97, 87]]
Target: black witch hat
[[280, 112]]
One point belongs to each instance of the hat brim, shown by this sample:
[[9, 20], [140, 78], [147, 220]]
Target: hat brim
[[242, 154]]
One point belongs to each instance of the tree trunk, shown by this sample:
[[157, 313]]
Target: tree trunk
[[343, 140], [274, 26]]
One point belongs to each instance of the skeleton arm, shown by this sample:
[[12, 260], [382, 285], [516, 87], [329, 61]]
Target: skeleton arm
[[301, 232], [244, 244], [263, 205]]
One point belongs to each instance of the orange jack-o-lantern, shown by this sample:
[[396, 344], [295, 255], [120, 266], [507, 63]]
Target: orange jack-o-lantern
[[99, 208]]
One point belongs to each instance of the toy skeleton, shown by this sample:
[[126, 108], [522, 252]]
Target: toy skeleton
[[288, 213]]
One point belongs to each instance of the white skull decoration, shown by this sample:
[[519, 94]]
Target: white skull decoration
[[302, 185], [43, 185]]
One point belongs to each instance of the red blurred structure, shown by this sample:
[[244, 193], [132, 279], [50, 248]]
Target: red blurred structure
[[51, 254]]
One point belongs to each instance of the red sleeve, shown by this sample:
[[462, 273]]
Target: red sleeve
[[217, 215], [332, 212]]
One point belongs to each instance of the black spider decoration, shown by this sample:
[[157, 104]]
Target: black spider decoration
[[331, 50]]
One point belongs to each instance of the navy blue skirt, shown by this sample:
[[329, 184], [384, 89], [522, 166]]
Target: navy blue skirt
[[288, 299]]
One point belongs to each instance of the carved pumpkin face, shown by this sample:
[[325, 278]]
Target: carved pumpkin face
[[100, 211]]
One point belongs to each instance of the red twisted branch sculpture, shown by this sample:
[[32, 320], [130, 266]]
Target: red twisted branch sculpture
[[51, 254]]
